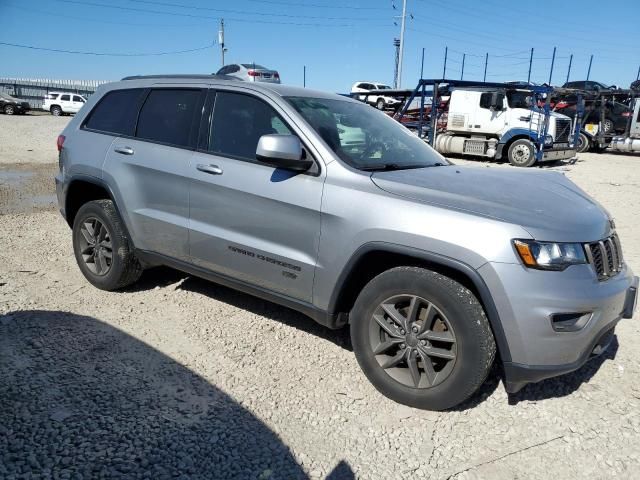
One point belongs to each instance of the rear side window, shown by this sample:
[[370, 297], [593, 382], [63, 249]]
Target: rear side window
[[53, 96], [116, 113], [167, 116], [65, 98], [238, 123]]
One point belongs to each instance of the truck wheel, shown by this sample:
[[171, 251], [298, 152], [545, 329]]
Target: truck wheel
[[583, 143], [522, 153], [102, 249], [9, 109], [422, 339], [380, 104], [56, 111], [608, 125]]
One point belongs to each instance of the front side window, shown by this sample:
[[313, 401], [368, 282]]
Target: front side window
[[76, 98], [65, 98], [167, 116], [364, 137], [238, 123], [116, 112]]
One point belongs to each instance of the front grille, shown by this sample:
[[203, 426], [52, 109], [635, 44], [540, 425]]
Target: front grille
[[605, 256], [563, 130]]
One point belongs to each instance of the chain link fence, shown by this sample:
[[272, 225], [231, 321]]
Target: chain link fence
[[33, 90]]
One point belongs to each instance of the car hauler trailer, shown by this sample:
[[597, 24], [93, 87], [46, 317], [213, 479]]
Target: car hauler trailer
[[608, 115], [491, 120], [630, 142]]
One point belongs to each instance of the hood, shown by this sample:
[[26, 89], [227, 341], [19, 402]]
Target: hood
[[546, 204]]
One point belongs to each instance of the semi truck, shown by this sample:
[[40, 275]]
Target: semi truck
[[631, 141], [490, 120]]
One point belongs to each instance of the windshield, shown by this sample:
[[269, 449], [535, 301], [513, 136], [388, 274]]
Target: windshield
[[520, 99], [364, 137]]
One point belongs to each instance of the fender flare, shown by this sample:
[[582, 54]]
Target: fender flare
[[437, 259], [512, 133]]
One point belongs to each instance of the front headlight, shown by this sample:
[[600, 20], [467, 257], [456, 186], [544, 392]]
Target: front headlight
[[549, 255], [548, 140]]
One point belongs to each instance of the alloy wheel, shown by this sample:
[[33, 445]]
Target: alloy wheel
[[413, 341], [95, 246]]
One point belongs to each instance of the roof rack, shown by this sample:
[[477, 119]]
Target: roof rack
[[197, 76]]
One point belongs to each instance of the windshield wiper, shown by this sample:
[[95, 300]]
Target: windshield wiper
[[385, 167]]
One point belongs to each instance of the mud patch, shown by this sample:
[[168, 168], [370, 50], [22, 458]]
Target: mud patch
[[27, 187]]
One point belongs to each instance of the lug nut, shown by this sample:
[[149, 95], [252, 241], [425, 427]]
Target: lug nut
[[402, 332], [415, 329], [402, 346], [423, 342]]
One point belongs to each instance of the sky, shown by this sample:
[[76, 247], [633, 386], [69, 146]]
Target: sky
[[339, 41]]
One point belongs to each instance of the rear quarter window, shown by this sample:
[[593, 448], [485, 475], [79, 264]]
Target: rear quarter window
[[116, 112]]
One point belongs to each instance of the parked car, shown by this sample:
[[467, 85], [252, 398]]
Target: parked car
[[437, 269], [380, 100], [61, 103], [11, 105], [589, 85], [616, 113], [250, 72]]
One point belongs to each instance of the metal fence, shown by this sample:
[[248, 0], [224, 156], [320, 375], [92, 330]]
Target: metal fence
[[33, 90]]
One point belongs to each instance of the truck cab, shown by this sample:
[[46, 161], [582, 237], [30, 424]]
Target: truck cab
[[487, 122]]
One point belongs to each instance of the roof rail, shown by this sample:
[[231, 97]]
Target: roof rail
[[198, 76]]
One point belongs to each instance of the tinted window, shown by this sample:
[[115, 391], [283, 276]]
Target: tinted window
[[78, 99], [485, 100], [116, 112], [65, 97], [253, 65], [222, 71], [238, 123], [53, 96], [233, 69], [167, 115]]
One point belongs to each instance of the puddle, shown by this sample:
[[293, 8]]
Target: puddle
[[27, 188]]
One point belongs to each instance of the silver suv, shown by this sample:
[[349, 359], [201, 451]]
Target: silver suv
[[437, 269]]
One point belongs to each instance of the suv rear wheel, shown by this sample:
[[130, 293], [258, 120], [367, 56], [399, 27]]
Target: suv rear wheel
[[422, 339], [9, 109], [56, 111], [102, 249]]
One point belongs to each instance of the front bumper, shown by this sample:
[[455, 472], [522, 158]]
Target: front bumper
[[554, 154], [527, 299]]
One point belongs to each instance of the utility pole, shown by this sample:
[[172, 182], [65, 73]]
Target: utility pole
[[530, 63], [464, 56], [638, 75], [569, 70], [486, 61], [221, 39], [396, 46], [553, 60], [304, 76], [589, 70], [422, 65], [444, 71], [402, 28]]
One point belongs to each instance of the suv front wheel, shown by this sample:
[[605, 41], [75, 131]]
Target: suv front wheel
[[102, 249], [422, 339]]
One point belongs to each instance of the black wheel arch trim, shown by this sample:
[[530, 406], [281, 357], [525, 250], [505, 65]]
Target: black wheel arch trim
[[435, 258]]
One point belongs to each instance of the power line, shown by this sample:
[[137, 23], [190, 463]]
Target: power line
[[315, 5], [105, 54], [189, 15], [244, 12]]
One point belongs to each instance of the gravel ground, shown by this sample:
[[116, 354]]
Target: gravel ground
[[179, 376]]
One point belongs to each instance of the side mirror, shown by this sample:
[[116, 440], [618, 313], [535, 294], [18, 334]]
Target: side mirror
[[282, 151], [497, 101]]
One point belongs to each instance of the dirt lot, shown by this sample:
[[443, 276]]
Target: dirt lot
[[178, 376]]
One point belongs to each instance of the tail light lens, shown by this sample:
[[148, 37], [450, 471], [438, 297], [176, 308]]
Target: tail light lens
[[253, 73], [626, 114], [60, 142], [561, 105]]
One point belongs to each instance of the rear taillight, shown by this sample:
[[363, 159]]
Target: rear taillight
[[253, 73], [60, 142], [626, 114]]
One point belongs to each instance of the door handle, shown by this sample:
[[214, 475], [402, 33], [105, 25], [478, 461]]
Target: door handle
[[124, 150], [210, 169]]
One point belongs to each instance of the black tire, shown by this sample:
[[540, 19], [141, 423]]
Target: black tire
[[123, 268], [56, 111], [465, 319], [584, 143], [9, 109], [608, 125], [380, 104], [518, 155]]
